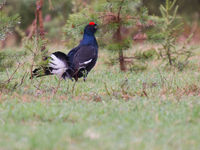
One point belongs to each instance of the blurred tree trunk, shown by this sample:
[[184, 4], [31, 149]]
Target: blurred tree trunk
[[39, 5], [118, 38], [38, 20]]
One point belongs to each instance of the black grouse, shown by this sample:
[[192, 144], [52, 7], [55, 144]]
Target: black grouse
[[78, 62]]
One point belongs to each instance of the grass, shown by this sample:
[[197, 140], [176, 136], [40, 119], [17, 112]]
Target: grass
[[147, 110]]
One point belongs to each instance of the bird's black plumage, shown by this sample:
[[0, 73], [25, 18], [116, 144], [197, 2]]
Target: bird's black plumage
[[78, 62]]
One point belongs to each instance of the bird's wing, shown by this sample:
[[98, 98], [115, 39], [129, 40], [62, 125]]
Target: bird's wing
[[72, 53], [58, 63], [85, 57]]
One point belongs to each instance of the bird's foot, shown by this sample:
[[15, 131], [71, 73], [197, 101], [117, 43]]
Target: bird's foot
[[84, 79]]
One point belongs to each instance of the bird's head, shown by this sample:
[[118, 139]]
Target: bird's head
[[91, 28]]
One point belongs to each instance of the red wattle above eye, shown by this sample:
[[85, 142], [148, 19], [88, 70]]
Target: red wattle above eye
[[91, 23]]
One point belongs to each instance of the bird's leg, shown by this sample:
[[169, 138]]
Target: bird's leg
[[84, 74], [66, 75], [76, 77], [73, 88]]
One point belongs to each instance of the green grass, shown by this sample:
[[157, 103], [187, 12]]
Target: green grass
[[140, 124], [150, 110]]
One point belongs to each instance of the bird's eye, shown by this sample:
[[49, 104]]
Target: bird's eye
[[96, 26]]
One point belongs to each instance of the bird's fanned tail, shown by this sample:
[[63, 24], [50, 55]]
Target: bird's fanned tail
[[58, 65]]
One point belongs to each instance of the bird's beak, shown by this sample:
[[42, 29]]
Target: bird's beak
[[96, 26]]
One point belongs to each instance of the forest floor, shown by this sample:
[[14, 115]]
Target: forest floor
[[152, 109]]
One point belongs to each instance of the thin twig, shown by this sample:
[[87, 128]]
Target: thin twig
[[163, 79], [7, 72], [120, 8], [2, 5], [23, 78], [56, 90], [107, 91], [67, 90], [144, 90], [32, 64], [107, 16], [50, 5], [12, 75]]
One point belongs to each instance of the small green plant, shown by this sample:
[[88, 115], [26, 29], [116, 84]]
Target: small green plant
[[5, 62], [171, 26], [146, 55], [39, 58], [7, 23]]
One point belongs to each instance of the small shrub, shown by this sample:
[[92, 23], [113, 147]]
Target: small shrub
[[146, 55], [171, 26], [138, 66], [39, 57]]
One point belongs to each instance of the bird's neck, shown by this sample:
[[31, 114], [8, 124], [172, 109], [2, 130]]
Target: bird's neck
[[89, 39]]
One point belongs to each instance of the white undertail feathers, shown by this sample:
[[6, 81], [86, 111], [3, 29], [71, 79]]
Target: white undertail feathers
[[57, 65]]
